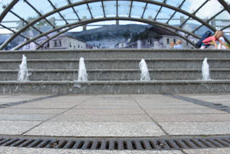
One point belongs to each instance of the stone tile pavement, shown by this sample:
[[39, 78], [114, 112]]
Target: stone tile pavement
[[113, 116]]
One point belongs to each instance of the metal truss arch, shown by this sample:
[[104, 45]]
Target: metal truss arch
[[85, 22], [7, 9], [87, 2], [167, 29]]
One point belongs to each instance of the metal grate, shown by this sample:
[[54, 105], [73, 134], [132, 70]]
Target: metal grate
[[118, 143]]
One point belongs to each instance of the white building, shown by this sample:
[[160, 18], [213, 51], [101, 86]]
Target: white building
[[67, 43], [62, 42], [156, 38], [121, 45]]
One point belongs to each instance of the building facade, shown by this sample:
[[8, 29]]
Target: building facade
[[62, 42], [155, 38]]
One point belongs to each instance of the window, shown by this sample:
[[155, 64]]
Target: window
[[55, 43], [70, 45], [151, 41], [167, 40], [59, 43]]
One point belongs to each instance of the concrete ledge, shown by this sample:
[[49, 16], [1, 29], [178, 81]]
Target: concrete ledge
[[115, 74], [115, 63], [108, 53], [116, 87]]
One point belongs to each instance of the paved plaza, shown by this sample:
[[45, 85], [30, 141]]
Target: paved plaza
[[113, 116]]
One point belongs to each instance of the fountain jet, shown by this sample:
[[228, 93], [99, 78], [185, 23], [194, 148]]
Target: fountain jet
[[205, 70], [144, 71], [23, 74], [82, 72]]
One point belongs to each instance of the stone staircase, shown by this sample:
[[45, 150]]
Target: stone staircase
[[115, 72]]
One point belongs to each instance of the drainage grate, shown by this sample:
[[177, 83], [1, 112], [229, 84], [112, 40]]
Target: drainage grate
[[118, 143]]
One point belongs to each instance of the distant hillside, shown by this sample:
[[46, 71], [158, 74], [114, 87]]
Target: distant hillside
[[122, 31], [152, 32], [108, 36]]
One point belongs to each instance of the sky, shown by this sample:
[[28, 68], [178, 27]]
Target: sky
[[207, 11]]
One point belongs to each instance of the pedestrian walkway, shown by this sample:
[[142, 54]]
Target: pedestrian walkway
[[114, 116]]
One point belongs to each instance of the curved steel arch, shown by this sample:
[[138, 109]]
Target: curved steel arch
[[110, 18], [7, 9], [92, 1], [225, 5]]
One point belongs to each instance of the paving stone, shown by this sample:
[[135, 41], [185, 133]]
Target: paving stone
[[13, 150], [107, 107], [191, 117], [173, 106], [16, 127], [217, 99], [57, 102], [209, 151], [7, 99], [196, 128], [99, 111], [183, 111], [48, 105], [97, 129], [102, 118], [29, 111], [24, 117]]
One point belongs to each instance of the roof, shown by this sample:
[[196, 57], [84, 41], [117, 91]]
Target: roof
[[66, 35], [152, 32]]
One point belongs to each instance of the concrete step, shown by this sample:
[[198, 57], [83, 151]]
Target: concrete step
[[115, 87], [125, 53], [110, 75], [189, 63]]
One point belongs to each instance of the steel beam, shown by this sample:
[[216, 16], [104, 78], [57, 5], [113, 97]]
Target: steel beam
[[89, 10], [182, 3], [117, 8], [225, 5], [13, 31], [145, 8], [130, 9], [103, 7], [75, 12], [194, 13], [54, 7], [225, 27], [207, 21], [159, 11], [39, 13], [24, 21], [7, 9]]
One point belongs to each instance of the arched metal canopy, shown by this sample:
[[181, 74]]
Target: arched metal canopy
[[83, 12]]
